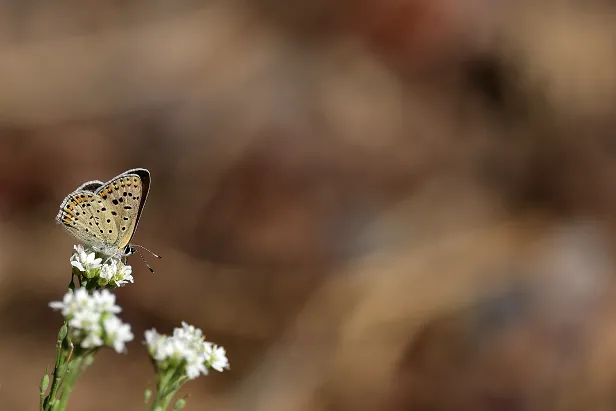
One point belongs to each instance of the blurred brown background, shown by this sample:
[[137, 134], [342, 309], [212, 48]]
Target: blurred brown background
[[373, 205]]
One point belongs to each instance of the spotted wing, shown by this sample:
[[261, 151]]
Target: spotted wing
[[124, 197], [86, 216]]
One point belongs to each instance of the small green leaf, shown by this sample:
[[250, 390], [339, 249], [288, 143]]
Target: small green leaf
[[63, 332], [179, 404], [44, 384]]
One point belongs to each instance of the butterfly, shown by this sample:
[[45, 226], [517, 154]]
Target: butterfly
[[105, 215]]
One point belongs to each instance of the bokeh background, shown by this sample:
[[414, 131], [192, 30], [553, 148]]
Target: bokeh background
[[396, 205]]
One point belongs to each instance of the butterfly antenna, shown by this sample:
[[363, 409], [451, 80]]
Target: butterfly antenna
[[145, 262], [140, 246]]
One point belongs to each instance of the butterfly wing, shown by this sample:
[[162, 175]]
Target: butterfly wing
[[86, 216], [124, 197], [90, 186]]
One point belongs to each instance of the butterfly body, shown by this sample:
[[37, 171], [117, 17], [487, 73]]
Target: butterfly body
[[105, 215]]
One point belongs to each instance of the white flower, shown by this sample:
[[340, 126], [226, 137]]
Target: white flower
[[104, 302], [108, 270], [87, 320], [111, 272], [123, 274], [188, 333], [118, 333], [91, 340], [73, 302], [185, 348], [162, 347], [116, 273], [92, 319], [174, 349], [216, 357], [86, 329], [84, 260], [195, 364], [155, 343], [152, 337]]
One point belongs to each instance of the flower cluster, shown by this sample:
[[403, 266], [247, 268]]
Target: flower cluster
[[92, 319], [186, 351], [110, 273]]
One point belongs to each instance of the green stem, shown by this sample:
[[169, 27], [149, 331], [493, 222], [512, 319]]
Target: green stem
[[58, 374], [178, 379], [164, 392], [76, 368], [69, 381], [162, 400], [161, 404]]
